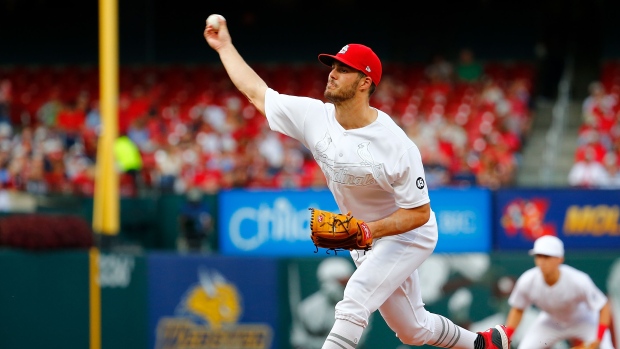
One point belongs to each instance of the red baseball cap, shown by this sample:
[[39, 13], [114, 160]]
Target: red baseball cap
[[359, 57]]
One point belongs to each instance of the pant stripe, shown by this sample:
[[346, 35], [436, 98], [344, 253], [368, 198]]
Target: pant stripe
[[336, 343], [353, 345], [457, 330], [441, 336]]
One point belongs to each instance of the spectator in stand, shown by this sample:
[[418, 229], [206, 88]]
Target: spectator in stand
[[501, 147], [270, 146], [462, 172], [5, 176], [6, 95], [168, 164], [468, 70], [514, 109], [129, 163], [47, 114], [437, 175], [424, 134], [491, 95], [16, 168], [440, 68], [215, 115], [489, 174], [92, 123], [227, 124], [290, 175], [55, 171], [586, 129], [83, 179], [80, 171], [612, 165], [259, 175], [587, 172], [598, 101], [71, 119], [35, 176], [453, 136], [6, 132], [72, 155], [131, 107], [599, 114], [195, 223], [240, 174], [590, 140], [139, 133]]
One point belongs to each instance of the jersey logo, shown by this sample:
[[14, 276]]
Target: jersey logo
[[419, 183], [347, 172]]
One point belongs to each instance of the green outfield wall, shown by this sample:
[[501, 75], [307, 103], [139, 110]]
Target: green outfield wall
[[44, 298]]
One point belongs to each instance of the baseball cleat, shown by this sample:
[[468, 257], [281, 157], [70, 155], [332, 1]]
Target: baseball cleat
[[496, 338]]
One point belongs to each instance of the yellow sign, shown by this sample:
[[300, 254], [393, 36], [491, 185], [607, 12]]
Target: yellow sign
[[597, 220], [207, 318]]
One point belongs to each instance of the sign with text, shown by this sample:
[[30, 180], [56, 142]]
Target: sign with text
[[583, 219], [269, 222], [277, 223], [463, 218], [200, 301]]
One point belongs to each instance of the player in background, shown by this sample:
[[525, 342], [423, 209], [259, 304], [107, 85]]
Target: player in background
[[572, 307], [313, 317], [375, 172]]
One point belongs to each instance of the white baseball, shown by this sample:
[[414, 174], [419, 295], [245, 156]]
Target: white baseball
[[214, 21]]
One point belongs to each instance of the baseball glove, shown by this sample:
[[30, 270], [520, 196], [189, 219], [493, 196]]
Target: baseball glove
[[335, 231]]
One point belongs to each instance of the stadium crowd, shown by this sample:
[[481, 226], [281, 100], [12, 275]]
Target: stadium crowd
[[597, 157], [186, 126]]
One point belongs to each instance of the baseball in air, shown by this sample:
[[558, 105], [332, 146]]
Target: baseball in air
[[214, 21]]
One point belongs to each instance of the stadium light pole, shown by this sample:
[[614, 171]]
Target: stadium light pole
[[106, 196]]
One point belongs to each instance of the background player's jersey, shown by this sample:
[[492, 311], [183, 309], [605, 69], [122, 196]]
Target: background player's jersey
[[573, 298], [372, 171]]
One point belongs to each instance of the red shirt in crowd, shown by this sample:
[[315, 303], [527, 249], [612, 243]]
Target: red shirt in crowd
[[71, 120]]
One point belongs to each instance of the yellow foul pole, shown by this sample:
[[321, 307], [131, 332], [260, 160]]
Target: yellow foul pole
[[106, 205], [95, 299], [106, 197]]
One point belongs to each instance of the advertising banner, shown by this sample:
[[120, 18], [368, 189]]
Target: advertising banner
[[583, 219], [463, 218], [197, 301], [270, 222], [276, 223]]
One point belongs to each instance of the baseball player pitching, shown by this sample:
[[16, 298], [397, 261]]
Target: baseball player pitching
[[375, 174], [572, 307]]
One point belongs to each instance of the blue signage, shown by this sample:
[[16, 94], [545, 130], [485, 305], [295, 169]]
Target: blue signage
[[214, 302], [277, 223], [270, 222], [463, 218], [582, 218]]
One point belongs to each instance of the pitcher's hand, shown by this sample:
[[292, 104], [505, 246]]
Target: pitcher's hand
[[217, 38]]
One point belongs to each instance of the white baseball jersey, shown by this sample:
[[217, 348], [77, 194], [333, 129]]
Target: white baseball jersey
[[573, 298], [569, 308], [371, 171]]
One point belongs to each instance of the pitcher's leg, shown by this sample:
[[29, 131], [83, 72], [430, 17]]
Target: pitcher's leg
[[404, 312], [391, 261], [344, 335]]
